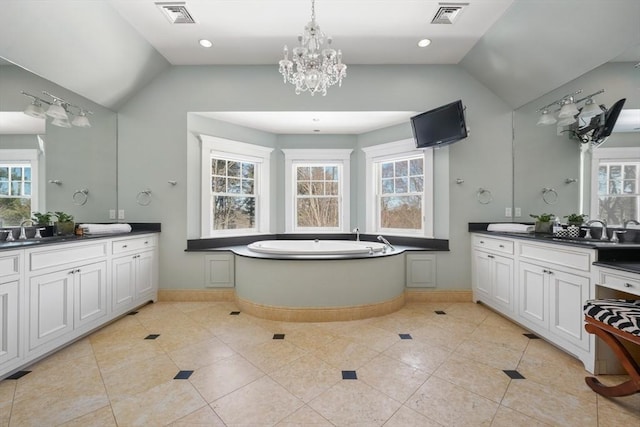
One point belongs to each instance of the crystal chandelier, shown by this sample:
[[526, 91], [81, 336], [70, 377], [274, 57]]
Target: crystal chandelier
[[313, 68]]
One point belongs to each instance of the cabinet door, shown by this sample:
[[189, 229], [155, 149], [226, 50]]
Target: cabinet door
[[503, 285], [50, 306], [568, 292], [481, 276], [123, 275], [8, 321], [532, 304], [145, 273], [421, 270], [90, 293]]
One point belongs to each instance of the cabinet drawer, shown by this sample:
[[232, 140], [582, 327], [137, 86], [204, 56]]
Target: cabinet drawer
[[10, 263], [133, 244], [557, 255], [493, 244], [620, 282], [61, 255]]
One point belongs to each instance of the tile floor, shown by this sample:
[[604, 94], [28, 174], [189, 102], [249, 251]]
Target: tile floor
[[410, 368]]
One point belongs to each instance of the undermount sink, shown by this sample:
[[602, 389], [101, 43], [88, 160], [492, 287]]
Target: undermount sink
[[584, 241], [29, 242]]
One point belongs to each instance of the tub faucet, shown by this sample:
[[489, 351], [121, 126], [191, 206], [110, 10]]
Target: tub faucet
[[357, 231], [630, 221], [23, 234], [604, 227], [386, 242]]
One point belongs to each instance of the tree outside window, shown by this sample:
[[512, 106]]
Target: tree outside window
[[618, 193], [317, 196], [233, 194], [401, 194], [15, 193]]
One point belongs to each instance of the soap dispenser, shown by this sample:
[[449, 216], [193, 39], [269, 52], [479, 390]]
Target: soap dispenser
[[557, 227]]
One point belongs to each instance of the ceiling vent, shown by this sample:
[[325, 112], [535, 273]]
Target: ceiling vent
[[176, 12], [448, 13]]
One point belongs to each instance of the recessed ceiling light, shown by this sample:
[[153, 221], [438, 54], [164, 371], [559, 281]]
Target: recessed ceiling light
[[205, 43], [315, 119], [424, 43]]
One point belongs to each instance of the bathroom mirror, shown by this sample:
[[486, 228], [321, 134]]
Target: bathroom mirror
[[552, 169], [76, 167]]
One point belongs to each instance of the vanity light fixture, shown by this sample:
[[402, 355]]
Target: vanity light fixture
[[63, 113], [569, 111]]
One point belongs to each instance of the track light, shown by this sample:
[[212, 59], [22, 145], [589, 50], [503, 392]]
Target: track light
[[63, 113]]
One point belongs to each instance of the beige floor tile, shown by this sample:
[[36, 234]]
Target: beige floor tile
[[137, 377], [77, 350], [311, 338], [345, 354], [7, 392], [498, 356], [180, 337], [224, 377], [475, 377], [201, 354], [619, 411], [307, 377], [305, 416], [452, 405], [102, 417], [506, 417], [271, 355], [202, 417], [474, 313], [406, 417], [375, 338], [116, 354], [539, 350], [567, 377], [249, 404], [366, 406], [550, 405], [501, 336], [392, 377], [237, 332], [126, 327], [436, 335], [420, 355], [157, 406]]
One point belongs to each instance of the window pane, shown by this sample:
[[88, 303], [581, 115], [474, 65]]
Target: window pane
[[304, 189], [233, 212], [317, 212], [233, 185], [218, 184], [387, 170], [16, 174], [27, 189], [233, 169], [402, 168], [629, 186], [303, 173], [401, 212], [248, 170], [14, 210], [331, 173], [218, 167], [247, 186], [630, 172], [614, 187], [402, 185], [615, 172], [4, 174], [416, 184], [16, 189], [4, 188], [387, 186], [317, 188], [602, 180], [317, 172], [614, 210], [416, 166], [27, 174], [331, 188]]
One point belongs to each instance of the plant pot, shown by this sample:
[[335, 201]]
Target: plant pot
[[64, 228], [543, 227]]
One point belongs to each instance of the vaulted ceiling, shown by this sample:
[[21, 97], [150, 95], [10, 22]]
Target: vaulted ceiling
[[106, 50]]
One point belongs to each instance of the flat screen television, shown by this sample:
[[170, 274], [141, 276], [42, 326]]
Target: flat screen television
[[440, 126]]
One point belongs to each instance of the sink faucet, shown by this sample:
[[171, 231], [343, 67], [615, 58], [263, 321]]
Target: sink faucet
[[23, 234], [357, 231], [604, 227], [630, 221], [386, 242]]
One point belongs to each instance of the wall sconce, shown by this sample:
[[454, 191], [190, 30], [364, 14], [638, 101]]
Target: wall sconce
[[569, 113], [63, 113]]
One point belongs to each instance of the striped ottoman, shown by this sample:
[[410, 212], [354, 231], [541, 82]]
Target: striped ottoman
[[614, 320]]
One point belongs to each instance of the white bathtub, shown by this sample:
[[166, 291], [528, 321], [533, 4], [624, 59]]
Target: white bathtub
[[315, 247]]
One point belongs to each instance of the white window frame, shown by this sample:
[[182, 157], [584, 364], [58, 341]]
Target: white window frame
[[393, 151], [235, 150], [30, 157], [296, 157], [613, 154]]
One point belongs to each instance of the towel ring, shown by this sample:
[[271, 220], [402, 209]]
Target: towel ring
[[484, 196], [549, 195], [144, 198], [80, 197]]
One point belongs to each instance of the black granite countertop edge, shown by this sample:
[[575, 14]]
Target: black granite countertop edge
[[630, 267], [549, 238], [195, 245], [242, 250]]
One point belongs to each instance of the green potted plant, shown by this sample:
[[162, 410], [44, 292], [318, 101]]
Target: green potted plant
[[41, 219], [543, 222], [576, 219], [64, 224]]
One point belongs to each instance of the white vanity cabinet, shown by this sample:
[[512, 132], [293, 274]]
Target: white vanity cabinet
[[134, 270], [492, 264], [10, 284]]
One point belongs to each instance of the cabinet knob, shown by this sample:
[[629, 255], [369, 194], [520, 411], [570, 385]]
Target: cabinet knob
[[628, 285], [124, 246], [502, 246], [490, 256], [482, 242]]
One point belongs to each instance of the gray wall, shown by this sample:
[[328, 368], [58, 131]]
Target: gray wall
[[154, 144]]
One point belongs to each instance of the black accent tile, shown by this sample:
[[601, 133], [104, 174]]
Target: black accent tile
[[151, 336], [532, 336], [17, 375], [132, 313], [349, 375], [514, 375], [278, 336], [405, 336], [440, 312], [234, 313], [183, 375]]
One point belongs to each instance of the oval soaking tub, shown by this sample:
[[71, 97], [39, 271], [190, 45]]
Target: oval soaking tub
[[315, 247]]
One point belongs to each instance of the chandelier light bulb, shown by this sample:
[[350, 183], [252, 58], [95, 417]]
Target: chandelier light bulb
[[312, 68]]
